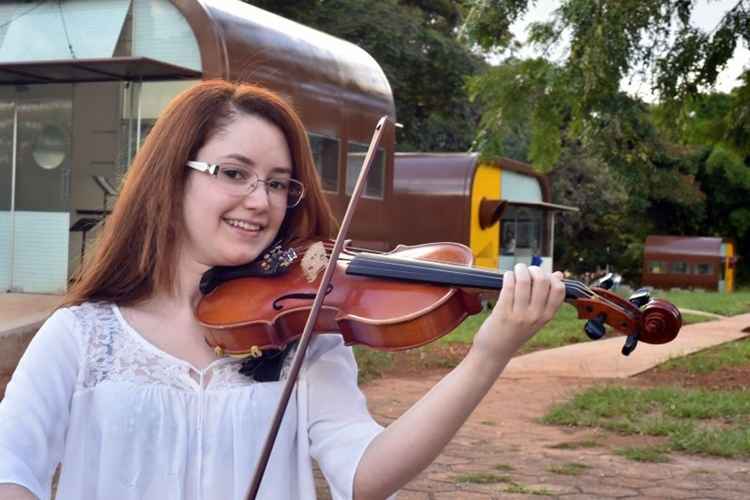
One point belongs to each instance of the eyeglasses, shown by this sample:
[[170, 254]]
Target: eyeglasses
[[237, 180]]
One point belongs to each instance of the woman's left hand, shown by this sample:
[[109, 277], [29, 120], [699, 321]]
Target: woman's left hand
[[530, 297]]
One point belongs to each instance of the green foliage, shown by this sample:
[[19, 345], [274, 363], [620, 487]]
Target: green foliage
[[415, 44], [607, 40], [488, 22], [520, 95], [737, 119]]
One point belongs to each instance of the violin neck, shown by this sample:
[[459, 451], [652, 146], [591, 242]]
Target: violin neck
[[437, 273]]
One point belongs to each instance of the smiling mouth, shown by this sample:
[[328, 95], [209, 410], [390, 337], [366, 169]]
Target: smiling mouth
[[244, 225]]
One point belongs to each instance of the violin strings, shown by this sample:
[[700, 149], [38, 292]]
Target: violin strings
[[572, 285]]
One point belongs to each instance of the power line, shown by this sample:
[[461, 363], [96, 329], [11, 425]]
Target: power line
[[23, 14], [65, 29]]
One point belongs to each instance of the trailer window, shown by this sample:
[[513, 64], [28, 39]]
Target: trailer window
[[522, 231], [679, 267], [704, 268], [656, 267], [375, 184], [326, 155]]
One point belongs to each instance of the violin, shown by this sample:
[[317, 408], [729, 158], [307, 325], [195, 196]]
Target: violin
[[390, 301]]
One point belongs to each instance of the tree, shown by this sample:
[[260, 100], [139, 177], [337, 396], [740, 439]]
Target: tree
[[715, 139], [414, 42], [606, 41]]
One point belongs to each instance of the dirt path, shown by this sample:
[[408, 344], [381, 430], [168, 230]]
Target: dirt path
[[502, 438], [504, 445]]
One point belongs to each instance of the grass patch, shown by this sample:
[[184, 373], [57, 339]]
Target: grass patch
[[713, 423], [568, 469], [575, 445], [726, 304], [652, 454], [492, 478], [464, 333], [527, 490], [691, 319], [565, 328], [710, 360], [482, 478], [504, 467], [371, 363]]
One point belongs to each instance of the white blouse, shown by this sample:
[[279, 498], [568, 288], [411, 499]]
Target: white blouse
[[129, 421]]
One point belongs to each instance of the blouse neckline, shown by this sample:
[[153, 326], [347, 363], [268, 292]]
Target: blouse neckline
[[135, 334]]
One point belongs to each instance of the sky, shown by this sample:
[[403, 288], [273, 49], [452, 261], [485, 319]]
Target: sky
[[706, 14]]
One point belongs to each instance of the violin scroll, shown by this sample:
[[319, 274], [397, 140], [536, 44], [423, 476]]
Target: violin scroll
[[641, 318], [660, 321]]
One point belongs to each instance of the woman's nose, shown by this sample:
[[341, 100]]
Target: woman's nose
[[257, 197]]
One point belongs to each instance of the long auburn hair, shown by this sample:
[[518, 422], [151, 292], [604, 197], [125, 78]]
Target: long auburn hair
[[136, 253]]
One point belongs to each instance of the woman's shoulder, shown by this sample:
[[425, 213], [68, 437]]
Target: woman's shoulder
[[86, 310], [82, 318]]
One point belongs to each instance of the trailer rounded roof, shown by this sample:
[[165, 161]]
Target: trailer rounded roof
[[241, 42], [683, 245]]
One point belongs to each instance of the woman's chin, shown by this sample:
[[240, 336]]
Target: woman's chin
[[241, 258]]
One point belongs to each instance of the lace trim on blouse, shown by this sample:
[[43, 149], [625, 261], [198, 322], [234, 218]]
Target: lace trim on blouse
[[112, 353]]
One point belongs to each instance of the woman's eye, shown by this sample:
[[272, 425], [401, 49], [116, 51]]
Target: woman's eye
[[278, 184], [234, 174]]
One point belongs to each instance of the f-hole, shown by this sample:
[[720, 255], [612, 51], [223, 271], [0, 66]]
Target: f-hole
[[300, 296]]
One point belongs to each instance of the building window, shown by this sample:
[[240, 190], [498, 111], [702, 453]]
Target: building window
[[326, 156], [679, 267], [657, 267], [522, 231], [704, 268], [375, 184], [142, 103]]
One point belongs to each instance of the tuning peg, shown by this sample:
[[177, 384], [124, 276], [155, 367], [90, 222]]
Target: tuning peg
[[594, 328], [640, 297], [607, 281], [630, 343]]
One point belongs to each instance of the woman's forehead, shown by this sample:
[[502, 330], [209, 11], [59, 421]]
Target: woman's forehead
[[249, 138], [250, 130]]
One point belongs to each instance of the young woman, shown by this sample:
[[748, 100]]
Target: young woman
[[120, 386]]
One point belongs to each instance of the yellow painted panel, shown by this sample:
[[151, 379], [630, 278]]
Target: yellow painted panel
[[485, 243], [728, 270]]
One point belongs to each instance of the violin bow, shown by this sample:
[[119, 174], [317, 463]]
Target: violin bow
[[312, 318]]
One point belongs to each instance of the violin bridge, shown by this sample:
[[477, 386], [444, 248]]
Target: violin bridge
[[314, 261]]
